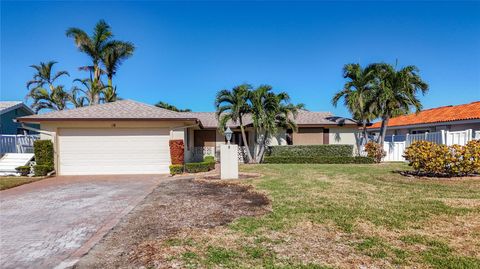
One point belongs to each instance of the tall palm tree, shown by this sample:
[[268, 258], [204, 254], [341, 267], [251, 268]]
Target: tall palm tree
[[357, 93], [171, 107], [95, 46], [233, 105], [397, 93], [114, 56], [52, 97], [102, 49], [269, 112]]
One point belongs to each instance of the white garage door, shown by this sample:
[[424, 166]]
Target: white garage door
[[113, 151]]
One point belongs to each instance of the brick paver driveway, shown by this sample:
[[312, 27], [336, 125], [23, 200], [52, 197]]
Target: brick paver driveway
[[52, 222]]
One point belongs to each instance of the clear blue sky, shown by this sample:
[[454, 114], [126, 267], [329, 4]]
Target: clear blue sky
[[188, 51]]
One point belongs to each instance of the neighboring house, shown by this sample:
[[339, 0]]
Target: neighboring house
[[10, 110], [128, 137], [448, 118]]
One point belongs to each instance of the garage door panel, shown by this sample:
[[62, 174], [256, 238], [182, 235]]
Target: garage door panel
[[114, 151]]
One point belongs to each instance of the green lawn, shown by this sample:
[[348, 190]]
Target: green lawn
[[10, 182], [337, 216]]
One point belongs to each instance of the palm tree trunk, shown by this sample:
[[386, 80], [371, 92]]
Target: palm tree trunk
[[365, 135], [261, 151], [383, 129], [110, 81], [245, 142]]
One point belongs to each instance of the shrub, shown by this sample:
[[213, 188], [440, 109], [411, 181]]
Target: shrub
[[176, 169], [375, 151], [211, 161], [177, 151], [311, 150], [434, 159], [23, 170], [43, 150], [41, 170], [318, 159], [197, 167]]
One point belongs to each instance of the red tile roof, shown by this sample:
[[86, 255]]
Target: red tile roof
[[440, 114]]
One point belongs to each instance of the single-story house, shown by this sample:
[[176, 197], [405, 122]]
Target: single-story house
[[447, 118], [128, 137], [9, 111]]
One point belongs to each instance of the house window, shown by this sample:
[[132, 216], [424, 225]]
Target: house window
[[420, 131], [237, 138]]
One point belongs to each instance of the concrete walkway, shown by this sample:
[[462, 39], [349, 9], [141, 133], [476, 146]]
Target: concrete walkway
[[52, 222]]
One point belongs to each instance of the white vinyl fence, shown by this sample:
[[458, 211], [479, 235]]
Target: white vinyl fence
[[395, 145], [17, 143], [394, 151]]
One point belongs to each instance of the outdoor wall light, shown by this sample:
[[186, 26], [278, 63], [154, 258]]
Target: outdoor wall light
[[228, 135]]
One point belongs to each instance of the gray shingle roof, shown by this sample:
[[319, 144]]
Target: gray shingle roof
[[119, 110], [305, 117], [6, 106], [132, 110]]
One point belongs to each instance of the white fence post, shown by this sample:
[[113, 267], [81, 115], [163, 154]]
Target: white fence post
[[442, 138]]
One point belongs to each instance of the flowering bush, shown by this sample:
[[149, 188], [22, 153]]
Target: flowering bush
[[375, 151], [453, 160]]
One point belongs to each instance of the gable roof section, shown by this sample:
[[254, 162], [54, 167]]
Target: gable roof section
[[6, 106], [435, 115], [119, 110]]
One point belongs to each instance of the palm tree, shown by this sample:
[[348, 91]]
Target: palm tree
[[269, 112], [102, 49], [357, 93], [171, 107], [233, 105], [53, 97], [94, 93], [44, 75], [77, 98], [94, 46], [114, 56], [396, 93], [110, 94]]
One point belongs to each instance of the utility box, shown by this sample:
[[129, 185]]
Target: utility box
[[229, 162]]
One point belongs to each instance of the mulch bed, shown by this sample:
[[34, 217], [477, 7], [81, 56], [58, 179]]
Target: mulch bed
[[176, 204], [420, 174]]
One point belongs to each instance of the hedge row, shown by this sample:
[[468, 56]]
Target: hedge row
[[311, 151], [318, 159], [205, 166]]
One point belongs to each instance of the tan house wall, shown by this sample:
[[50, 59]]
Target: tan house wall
[[204, 138], [308, 136]]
